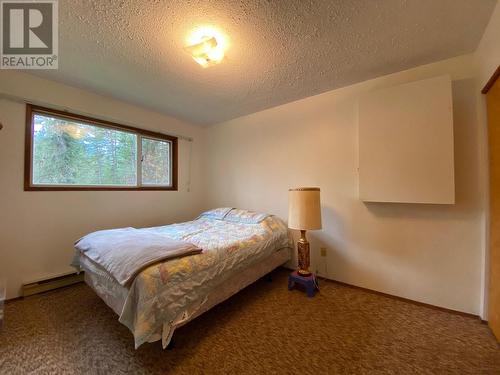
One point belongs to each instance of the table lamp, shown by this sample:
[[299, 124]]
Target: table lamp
[[304, 213]]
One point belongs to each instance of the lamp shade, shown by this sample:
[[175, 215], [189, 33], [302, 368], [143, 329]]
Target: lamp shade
[[304, 208]]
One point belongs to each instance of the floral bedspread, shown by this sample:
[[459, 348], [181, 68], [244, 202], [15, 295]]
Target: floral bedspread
[[162, 292]]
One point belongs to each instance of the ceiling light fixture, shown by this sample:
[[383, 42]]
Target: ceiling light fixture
[[206, 46]]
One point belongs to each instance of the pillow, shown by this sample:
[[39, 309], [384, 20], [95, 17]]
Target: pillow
[[216, 213], [244, 216]]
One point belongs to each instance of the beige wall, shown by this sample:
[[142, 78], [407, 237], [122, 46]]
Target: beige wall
[[37, 229], [428, 253]]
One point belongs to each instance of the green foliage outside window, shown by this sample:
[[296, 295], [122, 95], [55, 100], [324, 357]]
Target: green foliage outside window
[[74, 153]]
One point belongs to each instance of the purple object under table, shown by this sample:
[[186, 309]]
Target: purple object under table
[[309, 282]]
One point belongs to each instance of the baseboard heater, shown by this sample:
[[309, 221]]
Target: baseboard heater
[[51, 283]]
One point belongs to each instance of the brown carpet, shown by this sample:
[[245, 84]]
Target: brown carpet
[[262, 330]]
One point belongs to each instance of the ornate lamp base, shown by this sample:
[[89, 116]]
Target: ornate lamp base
[[304, 273], [303, 252]]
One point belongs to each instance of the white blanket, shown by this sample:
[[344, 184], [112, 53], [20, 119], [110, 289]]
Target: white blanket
[[125, 252]]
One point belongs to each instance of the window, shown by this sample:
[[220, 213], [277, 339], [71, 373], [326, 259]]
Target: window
[[72, 152]]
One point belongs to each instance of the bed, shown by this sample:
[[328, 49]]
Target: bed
[[239, 247]]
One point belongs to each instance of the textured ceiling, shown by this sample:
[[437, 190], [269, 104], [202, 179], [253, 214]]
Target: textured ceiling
[[279, 51]]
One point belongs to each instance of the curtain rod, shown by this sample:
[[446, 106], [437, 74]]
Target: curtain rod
[[23, 100]]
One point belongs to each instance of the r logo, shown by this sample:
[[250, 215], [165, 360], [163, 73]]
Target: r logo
[[27, 28], [29, 34]]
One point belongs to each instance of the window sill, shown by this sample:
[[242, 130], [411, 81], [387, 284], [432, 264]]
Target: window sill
[[96, 188]]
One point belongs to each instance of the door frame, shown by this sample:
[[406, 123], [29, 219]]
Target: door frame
[[491, 81], [486, 261]]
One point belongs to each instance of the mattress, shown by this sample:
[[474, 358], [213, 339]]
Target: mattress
[[167, 293], [114, 295]]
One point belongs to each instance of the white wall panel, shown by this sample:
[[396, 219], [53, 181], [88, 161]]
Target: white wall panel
[[406, 143]]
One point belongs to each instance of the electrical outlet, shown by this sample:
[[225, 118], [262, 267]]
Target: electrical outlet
[[323, 251]]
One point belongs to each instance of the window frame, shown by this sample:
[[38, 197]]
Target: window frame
[[32, 110]]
